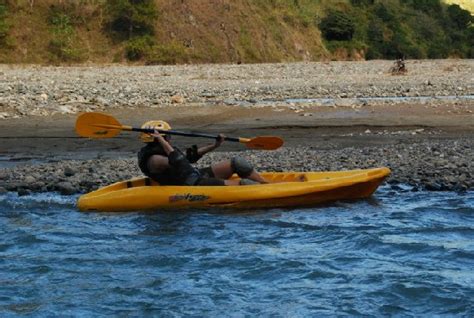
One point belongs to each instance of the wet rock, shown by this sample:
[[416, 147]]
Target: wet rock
[[433, 186], [34, 186], [68, 171], [28, 180], [88, 185], [460, 187], [23, 191], [66, 188]]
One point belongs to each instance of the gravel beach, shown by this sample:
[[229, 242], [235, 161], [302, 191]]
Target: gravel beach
[[35, 90], [332, 116]]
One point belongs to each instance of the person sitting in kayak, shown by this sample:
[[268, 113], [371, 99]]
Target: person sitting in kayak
[[168, 165]]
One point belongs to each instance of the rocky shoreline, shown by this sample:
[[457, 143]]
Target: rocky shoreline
[[434, 165], [43, 91]]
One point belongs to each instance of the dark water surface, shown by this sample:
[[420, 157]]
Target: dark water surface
[[396, 254]]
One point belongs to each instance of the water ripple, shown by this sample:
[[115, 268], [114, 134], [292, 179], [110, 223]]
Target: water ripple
[[398, 254]]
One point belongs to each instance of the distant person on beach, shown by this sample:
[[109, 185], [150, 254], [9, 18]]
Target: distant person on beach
[[398, 67], [168, 165]]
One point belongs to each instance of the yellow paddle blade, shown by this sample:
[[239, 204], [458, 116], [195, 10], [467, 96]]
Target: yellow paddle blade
[[263, 142], [97, 125]]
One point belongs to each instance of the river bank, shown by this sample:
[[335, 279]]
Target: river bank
[[438, 166], [427, 139]]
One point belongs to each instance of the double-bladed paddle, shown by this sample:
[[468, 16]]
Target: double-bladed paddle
[[100, 125]]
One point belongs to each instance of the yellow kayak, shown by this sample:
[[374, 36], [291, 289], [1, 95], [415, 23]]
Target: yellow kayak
[[286, 189]]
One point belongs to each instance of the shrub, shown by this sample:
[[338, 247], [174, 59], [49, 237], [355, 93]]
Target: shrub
[[400, 46], [460, 18], [246, 44], [62, 45], [337, 25], [171, 53], [470, 36], [130, 18], [427, 6], [138, 47], [376, 36], [382, 12], [4, 26]]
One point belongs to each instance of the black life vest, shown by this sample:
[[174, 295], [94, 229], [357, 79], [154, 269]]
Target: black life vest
[[180, 172]]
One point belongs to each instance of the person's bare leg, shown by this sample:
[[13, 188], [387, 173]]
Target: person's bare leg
[[255, 176], [222, 170]]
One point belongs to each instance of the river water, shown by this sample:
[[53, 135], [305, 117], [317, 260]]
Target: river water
[[399, 253]]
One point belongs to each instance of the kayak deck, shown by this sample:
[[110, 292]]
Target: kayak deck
[[285, 189]]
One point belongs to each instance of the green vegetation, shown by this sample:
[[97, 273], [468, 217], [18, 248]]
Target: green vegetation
[[56, 31], [392, 29], [4, 26], [131, 18], [338, 25], [64, 42], [248, 52], [171, 53], [144, 48], [139, 47], [133, 21]]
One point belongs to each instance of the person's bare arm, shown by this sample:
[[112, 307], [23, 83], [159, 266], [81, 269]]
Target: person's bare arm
[[166, 146], [205, 149]]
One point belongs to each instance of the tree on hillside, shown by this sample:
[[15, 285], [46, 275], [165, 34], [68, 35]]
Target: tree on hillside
[[376, 39], [131, 18], [459, 17], [337, 25], [386, 15], [427, 6]]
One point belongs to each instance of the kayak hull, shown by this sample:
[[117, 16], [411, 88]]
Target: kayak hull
[[287, 189]]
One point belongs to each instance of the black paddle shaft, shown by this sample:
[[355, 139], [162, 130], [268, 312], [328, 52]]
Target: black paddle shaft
[[181, 133]]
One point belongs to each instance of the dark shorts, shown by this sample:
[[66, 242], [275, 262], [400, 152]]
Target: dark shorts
[[206, 172], [208, 178]]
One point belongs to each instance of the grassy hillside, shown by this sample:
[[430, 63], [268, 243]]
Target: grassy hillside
[[53, 31], [185, 31]]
